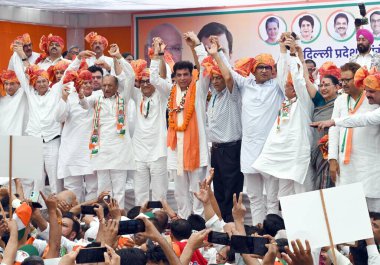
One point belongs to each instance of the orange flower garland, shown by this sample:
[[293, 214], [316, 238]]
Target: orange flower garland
[[189, 108]]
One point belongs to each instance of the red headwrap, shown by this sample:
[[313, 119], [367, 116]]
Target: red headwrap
[[168, 58], [78, 79], [246, 65], [93, 36], [23, 39], [210, 67], [45, 43], [7, 75], [60, 66], [138, 67], [329, 68], [34, 72]]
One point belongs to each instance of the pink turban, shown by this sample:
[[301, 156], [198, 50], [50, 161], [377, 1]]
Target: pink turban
[[366, 34]]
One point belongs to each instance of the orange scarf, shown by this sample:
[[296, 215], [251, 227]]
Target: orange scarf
[[347, 142], [191, 157]]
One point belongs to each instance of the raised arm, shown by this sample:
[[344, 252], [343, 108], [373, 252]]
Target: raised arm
[[213, 51], [311, 89], [282, 65], [360, 120], [161, 84], [62, 109], [18, 65]]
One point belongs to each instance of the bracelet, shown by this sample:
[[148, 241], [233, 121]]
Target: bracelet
[[220, 49], [161, 53], [293, 54], [198, 44], [25, 59]]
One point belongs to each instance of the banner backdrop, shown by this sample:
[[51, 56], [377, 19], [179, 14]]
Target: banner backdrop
[[326, 31]]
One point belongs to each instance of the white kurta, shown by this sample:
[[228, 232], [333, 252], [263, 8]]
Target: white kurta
[[115, 151], [286, 153], [359, 120], [45, 64], [260, 105], [109, 60], [149, 141], [200, 108], [364, 163], [14, 115], [41, 108], [74, 155]]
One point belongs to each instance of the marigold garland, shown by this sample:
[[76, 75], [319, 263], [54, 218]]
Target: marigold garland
[[190, 95]]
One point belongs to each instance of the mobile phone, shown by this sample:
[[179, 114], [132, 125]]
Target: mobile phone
[[219, 238], [107, 198], [294, 36], [131, 227], [88, 209], [154, 204], [249, 245], [91, 255], [34, 196]]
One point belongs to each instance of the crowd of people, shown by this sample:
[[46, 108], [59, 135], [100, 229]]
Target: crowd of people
[[258, 123]]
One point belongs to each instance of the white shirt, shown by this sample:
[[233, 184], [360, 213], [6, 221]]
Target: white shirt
[[74, 158], [364, 164], [109, 60], [286, 153], [200, 108], [115, 151], [14, 113], [359, 120], [370, 59], [41, 108], [260, 105], [45, 64], [149, 139], [32, 59]]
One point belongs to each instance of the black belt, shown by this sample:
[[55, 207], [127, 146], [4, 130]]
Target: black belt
[[56, 137], [229, 144]]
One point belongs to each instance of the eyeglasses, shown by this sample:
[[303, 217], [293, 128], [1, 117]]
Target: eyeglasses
[[262, 67], [346, 80], [324, 85], [146, 82]]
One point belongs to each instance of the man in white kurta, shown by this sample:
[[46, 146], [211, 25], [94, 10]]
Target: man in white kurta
[[13, 105], [286, 153], [149, 140], [114, 155], [98, 44], [186, 181], [27, 46], [74, 164], [260, 104], [362, 165], [42, 102], [51, 47]]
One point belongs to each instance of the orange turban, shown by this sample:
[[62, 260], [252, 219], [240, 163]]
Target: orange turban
[[70, 76], [138, 67], [372, 81], [34, 72], [93, 36], [77, 78], [246, 65], [23, 39], [359, 77], [145, 73], [7, 75], [45, 43], [60, 66], [329, 68], [168, 58], [211, 67]]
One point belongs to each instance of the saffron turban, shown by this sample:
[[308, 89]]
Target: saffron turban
[[93, 36]]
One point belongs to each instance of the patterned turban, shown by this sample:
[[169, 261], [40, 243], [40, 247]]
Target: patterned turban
[[34, 71], [329, 68], [210, 67], [45, 43], [7, 75], [23, 39], [60, 66], [93, 36], [138, 67]]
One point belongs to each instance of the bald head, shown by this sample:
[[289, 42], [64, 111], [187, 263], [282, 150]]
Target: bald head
[[68, 196]]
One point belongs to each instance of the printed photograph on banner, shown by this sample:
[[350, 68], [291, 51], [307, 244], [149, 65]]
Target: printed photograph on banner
[[172, 38], [307, 26], [373, 16], [270, 28], [221, 31], [340, 25]]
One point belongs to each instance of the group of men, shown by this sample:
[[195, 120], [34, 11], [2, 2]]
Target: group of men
[[255, 116]]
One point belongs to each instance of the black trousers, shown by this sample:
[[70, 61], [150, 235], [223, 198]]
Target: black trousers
[[228, 179]]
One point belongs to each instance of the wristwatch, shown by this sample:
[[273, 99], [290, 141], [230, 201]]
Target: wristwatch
[[293, 54]]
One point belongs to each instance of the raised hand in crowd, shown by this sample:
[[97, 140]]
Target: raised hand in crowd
[[191, 39], [12, 245], [86, 54], [69, 259], [114, 209], [114, 51], [195, 241], [238, 212], [110, 257], [300, 255], [103, 64]]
